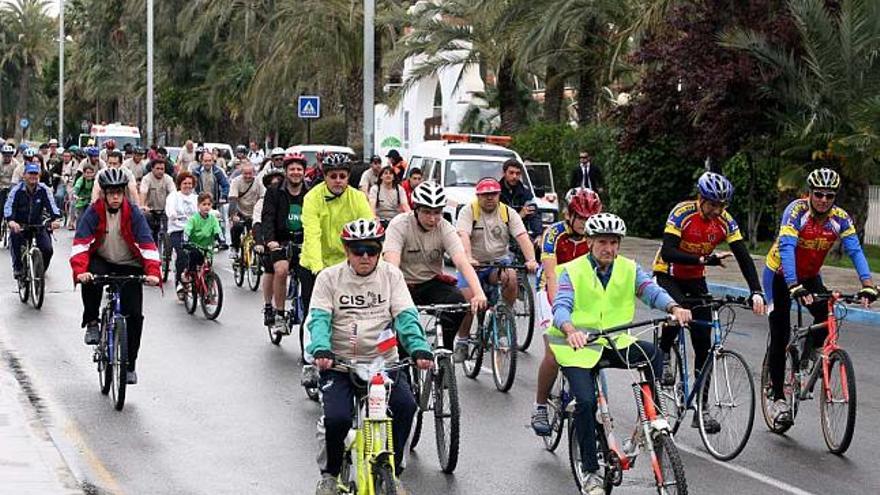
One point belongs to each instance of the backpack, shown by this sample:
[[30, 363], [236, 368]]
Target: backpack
[[475, 210]]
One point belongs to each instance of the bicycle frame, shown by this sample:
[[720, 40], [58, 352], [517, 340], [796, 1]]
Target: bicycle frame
[[829, 345]]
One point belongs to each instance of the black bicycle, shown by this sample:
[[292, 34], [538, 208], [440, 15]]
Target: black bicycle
[[163, 241], [31, 282]]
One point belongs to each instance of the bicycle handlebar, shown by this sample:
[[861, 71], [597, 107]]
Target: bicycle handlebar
[[718, 302], [592, 336], [121, 279], [846, 298], [444, 308], [512, 266]]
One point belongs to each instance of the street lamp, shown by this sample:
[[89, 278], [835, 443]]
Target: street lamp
[[369, 40], [61, 72], [149, 72]]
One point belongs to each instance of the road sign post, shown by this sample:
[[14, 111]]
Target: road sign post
[[309, 108]]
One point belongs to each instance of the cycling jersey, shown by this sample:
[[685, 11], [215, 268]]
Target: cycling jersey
[[699, 237], [323, 217], [560, 242], [804, 240]]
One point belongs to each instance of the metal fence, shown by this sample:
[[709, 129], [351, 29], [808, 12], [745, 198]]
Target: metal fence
[[872, 226]]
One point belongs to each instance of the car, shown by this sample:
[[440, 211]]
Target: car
[[311, 151], [459, 161], [224, 150], [122, 134]]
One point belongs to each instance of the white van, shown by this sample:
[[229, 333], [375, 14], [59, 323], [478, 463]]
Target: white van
[[459, 161], [122, 134], [310, 151]]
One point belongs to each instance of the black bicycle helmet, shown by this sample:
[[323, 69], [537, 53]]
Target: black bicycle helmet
[[112, 178]]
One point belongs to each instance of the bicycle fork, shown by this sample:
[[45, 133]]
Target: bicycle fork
[[374, 444], [649, 422]]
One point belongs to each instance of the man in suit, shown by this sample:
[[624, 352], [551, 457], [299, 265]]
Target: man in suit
[[586, 174]]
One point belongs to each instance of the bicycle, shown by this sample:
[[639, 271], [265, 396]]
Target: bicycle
[[524, 306], [111, 353], [4, 234], [730, 390], [163, 241], [437, 391], [804, 367], [248, 266], [31, 284], [370, 451], [203, 285], [495, 333], [652, 434]]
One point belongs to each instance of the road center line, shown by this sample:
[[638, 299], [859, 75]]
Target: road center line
[[763, 478]]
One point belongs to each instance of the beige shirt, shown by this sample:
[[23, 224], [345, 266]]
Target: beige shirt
[[490, 237], [421, 252], [157, 190], [114, 249], [386, 202], [137, 169], [363, 309], [368, 180], [247, 194], [185, 158]]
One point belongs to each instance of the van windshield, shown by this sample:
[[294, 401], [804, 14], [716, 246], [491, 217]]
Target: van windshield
[[466, 173]]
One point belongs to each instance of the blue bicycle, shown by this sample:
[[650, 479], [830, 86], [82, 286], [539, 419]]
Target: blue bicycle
[[726, 413], [111, 353]]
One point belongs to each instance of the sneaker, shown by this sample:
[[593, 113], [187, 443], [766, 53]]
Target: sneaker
[[327, 486], [268, 316], [712, 425], [460, 351], [541, 420], [668, 378], [594, 484], [131, 377], [280, 323], [181, 291], [93, 334], [781, 412], [309, 376]]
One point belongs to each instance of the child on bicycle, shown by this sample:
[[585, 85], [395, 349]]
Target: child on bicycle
[[201, 231], [82, 189]]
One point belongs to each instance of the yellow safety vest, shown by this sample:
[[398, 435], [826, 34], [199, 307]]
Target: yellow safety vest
[[596, 308]]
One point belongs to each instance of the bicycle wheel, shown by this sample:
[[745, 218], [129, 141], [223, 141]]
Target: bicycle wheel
[[24, 286], [4, 234], [555, 414], [416, 381], [37, 282], [474, 360], [447, 415], [837, 405], [730, 399], [383, 479], [212, 299], [239, 267], [105, 370], [165, 252], [670, 475], [504, 349], [672, 396], [603, 454], [254, 271], [119, 363], [791, 389], [191, 295], [524, 309]]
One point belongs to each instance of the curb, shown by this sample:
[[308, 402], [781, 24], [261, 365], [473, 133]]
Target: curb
[[853, 314]]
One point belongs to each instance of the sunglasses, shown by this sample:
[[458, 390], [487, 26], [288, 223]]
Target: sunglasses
[[339, 176], [370, 250], [824, 195], [431, 211]]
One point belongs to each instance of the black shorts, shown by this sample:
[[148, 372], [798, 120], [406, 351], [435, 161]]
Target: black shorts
[[288, 252]]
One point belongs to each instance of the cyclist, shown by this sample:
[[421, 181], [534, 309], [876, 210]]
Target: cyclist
[[387, 197], [370, 175], [255, 154], [137, 163], [516, 195], [28, 202], [113, 238], [693, 230], [271, 179], [155, 188], [809, 229], [563, 242], [486, 228], [93, 158], [411, 183], [31, 155], [282, 226], [179, 207], [211, 178], [200, 233], [7, 168], [64, 170], [114, 161], [244, 192], [238, 160], [360, 308], [109, 147], [82, 191], [415, 243], [599, 291]]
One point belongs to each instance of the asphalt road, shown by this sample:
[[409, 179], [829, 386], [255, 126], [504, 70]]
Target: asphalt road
[[219, 410]]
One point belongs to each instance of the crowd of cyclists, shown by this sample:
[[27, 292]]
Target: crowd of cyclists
[[367, 256]]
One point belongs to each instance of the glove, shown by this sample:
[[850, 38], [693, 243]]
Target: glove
[[798, 291], [712, 260], [869, 293], [759, 296]]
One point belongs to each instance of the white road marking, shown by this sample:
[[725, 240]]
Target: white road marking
[[763, 478]]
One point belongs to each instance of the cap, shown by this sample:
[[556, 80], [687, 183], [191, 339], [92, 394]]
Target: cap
[[31, 168], [53, 141], [488, 186]]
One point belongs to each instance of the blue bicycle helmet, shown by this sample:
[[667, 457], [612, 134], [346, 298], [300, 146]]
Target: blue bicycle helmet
[[715, 187], [93, 151]]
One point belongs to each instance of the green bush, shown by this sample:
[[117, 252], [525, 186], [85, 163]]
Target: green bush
[[763, 174]]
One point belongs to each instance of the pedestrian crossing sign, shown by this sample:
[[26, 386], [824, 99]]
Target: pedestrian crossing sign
[[309, 107]]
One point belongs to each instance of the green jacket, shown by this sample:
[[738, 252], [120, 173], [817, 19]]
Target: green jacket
[[82, 188], [323, 217], [202, 231]]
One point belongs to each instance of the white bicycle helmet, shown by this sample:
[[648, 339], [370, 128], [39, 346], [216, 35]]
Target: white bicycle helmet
[[606, 224], [823, 178], [429, 195], [363, 230], [277, 152], [336, 161], [8, 149]]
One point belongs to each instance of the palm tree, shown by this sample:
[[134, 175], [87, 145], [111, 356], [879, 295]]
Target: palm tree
[[828, 89], [30, 41]]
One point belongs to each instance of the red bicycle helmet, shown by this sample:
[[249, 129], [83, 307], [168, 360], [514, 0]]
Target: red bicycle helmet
[[295, 157], [585, 203]]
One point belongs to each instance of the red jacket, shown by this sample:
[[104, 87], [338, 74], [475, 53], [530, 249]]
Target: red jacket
[[92, 228]]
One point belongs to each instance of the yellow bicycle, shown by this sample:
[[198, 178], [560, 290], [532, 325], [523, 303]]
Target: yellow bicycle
[[248, 265]]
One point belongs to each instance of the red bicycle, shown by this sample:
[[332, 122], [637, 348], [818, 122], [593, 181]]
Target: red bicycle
[[202, 284], [803, 368]]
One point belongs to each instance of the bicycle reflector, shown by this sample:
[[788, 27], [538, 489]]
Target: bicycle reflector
[[476, 138]]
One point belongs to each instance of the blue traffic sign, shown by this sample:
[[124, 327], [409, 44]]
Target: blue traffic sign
[[309, 107], [24, 123]]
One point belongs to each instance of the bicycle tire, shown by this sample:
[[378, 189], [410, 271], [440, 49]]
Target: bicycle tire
[[474, 360], [191, 295], [37, 282], [504, 357], [254, 271], [575, 462], [239, 267], [120, 363], [416, 386], [847, 379], [670, 464], [383, 479], [105, 371], [672, 397], [722, 395], [165, 251], [527, 316], [791, 389], [24, 287], [4, 234], [556, 415], [212, 284], [446, 393]]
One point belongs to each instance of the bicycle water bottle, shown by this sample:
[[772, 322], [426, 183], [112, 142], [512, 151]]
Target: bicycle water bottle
[[376, 403]]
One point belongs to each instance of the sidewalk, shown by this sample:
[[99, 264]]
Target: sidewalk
[[30, 464], [730, 280]]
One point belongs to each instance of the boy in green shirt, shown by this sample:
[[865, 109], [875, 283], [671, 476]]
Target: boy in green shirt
[[82, 189], [201, 230]]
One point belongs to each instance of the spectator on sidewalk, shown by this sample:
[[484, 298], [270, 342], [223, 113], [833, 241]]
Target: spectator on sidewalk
[[587, 174]]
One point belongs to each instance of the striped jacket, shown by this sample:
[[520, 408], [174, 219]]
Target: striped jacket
[[92, 228]]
